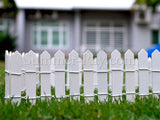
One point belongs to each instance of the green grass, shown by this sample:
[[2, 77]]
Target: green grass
[[146, 108]]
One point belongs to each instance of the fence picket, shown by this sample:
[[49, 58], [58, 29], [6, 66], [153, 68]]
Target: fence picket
[[45, 62], [143, 73], [31, 62], [7, 75], [52, 73], [16, 75], [59, 62], [130, 75], [136, 73], [116, 74], [80, 69], [88, 75], [73, 67], [150, 73], [102, 75], [156, 72]]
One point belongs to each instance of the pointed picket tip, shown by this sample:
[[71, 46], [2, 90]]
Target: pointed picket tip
[[115, 53], [59, 54], [156, 52], [17, 53], [6, 52], [10, 53], [73, 54], [45, 54], [88, 53], [101, 53], [142, 52], [129, 53], [30, 53]]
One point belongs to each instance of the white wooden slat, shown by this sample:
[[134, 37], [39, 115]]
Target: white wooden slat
[[37, 69], [156, 73], [80, 69], [136, 73], [7, 76], [45, 62], [150, 73], [31, 62], [102, 75], [110, 82], [88, 65], [16, 66], [143, 73], [73, 67], [130, 75], [23, 75], [52, 73], [95, 73], [116, 74], [59, 62]]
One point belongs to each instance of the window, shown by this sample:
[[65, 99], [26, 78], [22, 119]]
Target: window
[[49, 35], [106, 35], [4, 24], [155, 36]]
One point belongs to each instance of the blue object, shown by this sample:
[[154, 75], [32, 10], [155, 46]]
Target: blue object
[[152, 49]]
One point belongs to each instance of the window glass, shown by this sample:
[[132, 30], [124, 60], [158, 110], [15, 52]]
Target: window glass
[[91, 25], [44, 38], [105, 38], [118, 37], [64, 38], [91, 38], [104, 25], [55, 38], [35, 37], [155, 36]]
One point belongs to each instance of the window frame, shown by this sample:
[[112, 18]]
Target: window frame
[[50, 30], [110, 29]]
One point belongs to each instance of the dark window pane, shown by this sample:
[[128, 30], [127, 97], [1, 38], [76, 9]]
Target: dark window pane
[[104, 38], [155, 36], [35, 37], [91, 38], [64, 38], [44, 38], [118, 37], [91, 25], [104, 25], [55, 38]]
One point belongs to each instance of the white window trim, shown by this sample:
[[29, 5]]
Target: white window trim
[[111, 29], [49, 29]]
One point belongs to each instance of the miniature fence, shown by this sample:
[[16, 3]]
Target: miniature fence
[[24, 71]]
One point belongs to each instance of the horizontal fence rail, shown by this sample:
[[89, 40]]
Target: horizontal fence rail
[[75, 77]]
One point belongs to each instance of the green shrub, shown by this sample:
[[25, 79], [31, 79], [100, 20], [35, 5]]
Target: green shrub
[[7, 42]]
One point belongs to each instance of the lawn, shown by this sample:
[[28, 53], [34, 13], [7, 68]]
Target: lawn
[[147, 108]]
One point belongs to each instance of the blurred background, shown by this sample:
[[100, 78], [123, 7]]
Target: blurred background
[[78, 24]]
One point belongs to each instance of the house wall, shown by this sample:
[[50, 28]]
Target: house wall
[[142, 34], [62, 16], [115, 16], [138, 36]]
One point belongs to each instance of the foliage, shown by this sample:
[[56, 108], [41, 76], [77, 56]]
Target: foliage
[[10, 7], [150, 3], [145, 109], [7, 42]]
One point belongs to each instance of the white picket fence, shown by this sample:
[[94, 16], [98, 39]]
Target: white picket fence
[[24, 72]]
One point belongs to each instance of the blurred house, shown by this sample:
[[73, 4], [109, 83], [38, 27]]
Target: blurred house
[[83, 24]]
